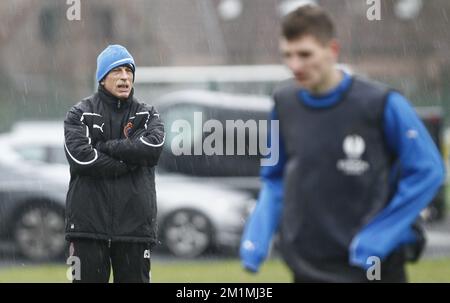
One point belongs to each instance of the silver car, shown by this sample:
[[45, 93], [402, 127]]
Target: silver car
[[192, 217]]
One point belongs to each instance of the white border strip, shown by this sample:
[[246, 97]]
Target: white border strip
[[80, 162], [153, 145], [89, 142], [148, 117]]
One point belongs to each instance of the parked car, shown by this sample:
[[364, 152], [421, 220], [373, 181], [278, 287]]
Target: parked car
[[238, 171], [32, 198], [242, 172], [192, 217]]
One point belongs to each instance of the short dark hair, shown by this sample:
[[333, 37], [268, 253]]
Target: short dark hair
[[308, 20]]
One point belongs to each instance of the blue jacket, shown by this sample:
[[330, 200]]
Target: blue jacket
[[421, 175]]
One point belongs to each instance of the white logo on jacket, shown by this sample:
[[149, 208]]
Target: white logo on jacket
[[99, 127], [354, 147]]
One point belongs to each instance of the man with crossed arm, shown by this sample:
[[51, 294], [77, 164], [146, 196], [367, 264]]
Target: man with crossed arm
[[112, 143]]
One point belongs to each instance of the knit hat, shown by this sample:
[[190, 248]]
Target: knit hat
[[112, 57]]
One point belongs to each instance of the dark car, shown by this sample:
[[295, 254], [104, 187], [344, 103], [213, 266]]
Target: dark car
[[238, 171], [241, 171]]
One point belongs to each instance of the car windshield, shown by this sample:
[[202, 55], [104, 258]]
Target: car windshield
[[42, 153], [32, 153]]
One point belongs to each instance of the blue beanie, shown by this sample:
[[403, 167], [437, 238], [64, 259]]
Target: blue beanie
[[112, 57]]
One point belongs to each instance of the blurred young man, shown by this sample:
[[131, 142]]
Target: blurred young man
[[356, 167], [113, 143]]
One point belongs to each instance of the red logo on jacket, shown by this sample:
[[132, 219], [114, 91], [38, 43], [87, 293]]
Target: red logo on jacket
[[127, 129]]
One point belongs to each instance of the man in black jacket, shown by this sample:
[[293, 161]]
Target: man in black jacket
[[112, 143]]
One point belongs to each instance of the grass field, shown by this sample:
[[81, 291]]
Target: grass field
[[215, 271]]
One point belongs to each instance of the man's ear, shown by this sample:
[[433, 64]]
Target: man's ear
[[335, 47]]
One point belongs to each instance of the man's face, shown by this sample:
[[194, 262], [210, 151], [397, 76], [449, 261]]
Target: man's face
[[310, 61], [119, 82]]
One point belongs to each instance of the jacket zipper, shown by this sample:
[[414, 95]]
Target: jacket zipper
[[111, 206], [118, 104]]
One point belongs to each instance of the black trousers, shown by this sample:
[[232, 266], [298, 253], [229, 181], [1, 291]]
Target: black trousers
[[130, 261], [392, 270], [391, 277]]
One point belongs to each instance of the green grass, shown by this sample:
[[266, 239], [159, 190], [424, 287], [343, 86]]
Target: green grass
[[430, 271], [218, 271], [215, 271]]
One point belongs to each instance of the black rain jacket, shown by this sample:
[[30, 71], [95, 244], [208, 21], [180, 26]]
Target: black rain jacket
[[112, 147]]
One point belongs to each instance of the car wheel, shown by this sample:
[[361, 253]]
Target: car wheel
[[39, 232], [187, 233]]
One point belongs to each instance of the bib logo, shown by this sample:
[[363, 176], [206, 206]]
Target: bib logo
[[354, 147]]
